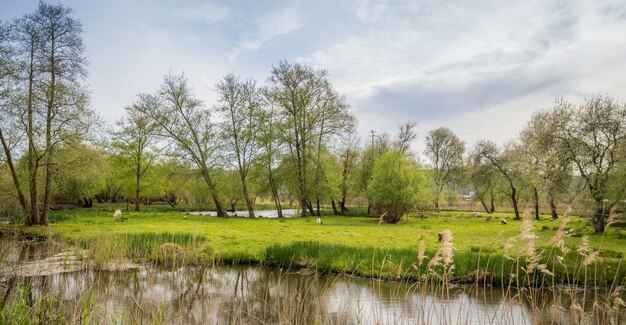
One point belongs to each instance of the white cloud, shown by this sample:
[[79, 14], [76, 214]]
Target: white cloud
[[269, 26], [481, 68], [205, 11]]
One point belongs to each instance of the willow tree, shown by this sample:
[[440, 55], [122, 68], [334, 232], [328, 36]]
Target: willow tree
[[312, 112], [182, 119]]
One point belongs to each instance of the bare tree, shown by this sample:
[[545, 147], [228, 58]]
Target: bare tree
[[181, 118], [240, 104], [445, 151], [134, 144], [406, 136]]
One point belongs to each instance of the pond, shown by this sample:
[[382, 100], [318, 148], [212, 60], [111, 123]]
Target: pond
[[257, 295], [287, 213]]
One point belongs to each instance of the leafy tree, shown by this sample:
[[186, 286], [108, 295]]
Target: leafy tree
[[50, 103], [594, 137], [182, 119], [134, 144], [397, 186], [504, 163], [311, 111], [240, 105], [445, 151], [548, 166]]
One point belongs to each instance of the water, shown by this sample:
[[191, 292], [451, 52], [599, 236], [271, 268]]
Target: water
[[287, 213], [256, 295]]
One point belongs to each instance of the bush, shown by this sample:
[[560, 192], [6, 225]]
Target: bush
[[397, 186]]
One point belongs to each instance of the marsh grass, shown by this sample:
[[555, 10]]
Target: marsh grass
[[148, 247]]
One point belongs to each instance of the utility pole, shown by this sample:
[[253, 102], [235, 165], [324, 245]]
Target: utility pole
[[373, 135]]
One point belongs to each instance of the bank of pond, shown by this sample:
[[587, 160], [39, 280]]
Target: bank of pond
[[177, 278]]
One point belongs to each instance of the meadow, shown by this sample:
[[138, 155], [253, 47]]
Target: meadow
[[356, 244]]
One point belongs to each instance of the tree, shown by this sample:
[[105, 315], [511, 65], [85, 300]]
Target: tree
[[548, 166], [8, 124], [482, 175], [503, 162], [406, 135], [240, 105], [312, 112], [396, 186], [272, 148], [182, 120], [134, 144], [49, 103], [445, 151], [348, 155], [594, 137]]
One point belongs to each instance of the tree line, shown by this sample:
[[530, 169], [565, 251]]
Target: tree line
[[291, 140]]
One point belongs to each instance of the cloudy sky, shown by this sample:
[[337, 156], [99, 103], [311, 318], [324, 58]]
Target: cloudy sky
[[478, 67]]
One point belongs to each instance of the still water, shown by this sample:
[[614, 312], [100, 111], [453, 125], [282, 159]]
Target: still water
[[257, 295]]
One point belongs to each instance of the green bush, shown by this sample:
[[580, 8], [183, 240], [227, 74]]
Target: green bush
[[397, 186]]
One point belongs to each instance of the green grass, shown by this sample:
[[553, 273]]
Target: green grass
[[342, 243]]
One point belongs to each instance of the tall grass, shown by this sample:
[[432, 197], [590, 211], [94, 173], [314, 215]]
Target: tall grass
[[146, 247]]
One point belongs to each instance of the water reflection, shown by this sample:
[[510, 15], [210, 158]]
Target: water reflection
[[255, 295]]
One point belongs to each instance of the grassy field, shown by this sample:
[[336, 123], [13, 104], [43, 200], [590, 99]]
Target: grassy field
[[343, 243]]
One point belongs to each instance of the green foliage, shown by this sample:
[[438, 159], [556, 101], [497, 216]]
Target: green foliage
[[397, 186]]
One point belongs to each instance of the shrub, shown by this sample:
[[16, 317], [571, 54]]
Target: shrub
[[396, 186]]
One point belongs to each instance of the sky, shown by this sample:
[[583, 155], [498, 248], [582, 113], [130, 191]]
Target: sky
[[480, 68]]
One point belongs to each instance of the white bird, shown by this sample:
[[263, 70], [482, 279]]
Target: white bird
[[319, 221]]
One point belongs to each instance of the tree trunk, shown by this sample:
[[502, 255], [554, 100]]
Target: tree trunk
[[536, 198], [279, 208], [484, 205], [33, 160], [597, 222], [16, 180], [309, 206], [335, 211], [219, 208], [342, 205], [137, 185], [369, 209], [492, 207], [514, 202], [318, 210], [555, 215], [246, 197]]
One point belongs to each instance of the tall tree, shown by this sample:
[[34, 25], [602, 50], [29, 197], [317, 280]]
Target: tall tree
[[348, 155], [63, 70], [50, 103], [594, 136], [272, 148], [9, 138], [309, 107], [182, 119], [134, 144], [445, 151], [240, 105]]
